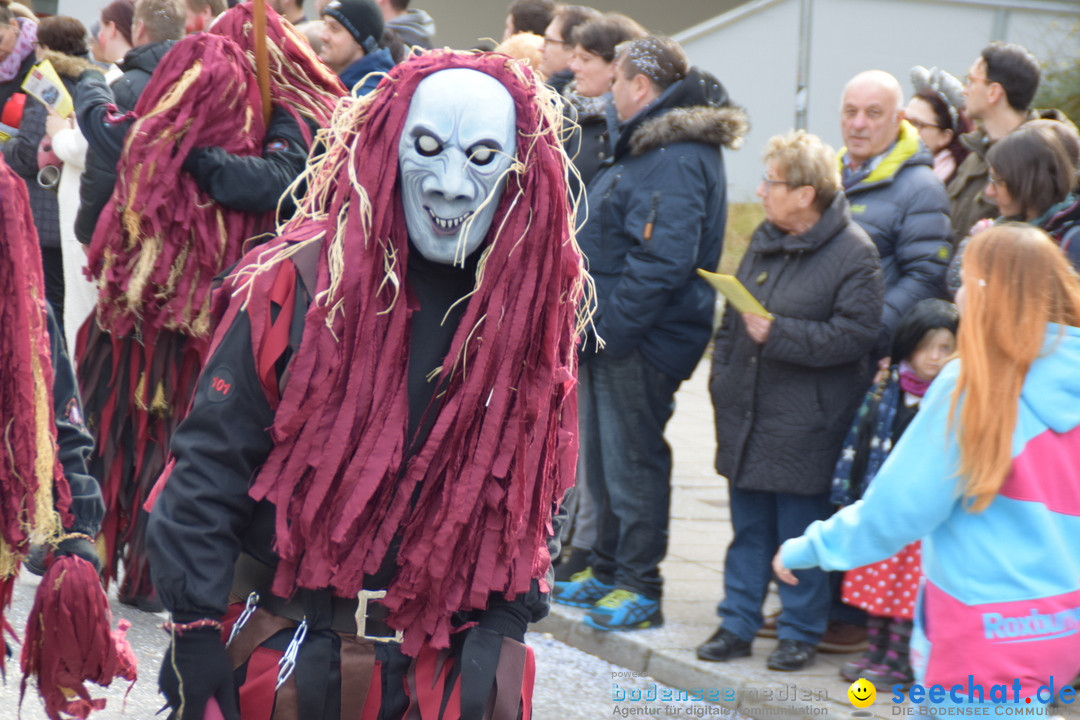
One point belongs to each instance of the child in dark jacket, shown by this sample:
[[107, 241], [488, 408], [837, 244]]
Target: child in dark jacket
[[886, 590]]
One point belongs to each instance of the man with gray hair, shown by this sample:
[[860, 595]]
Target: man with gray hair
[[889, 180]]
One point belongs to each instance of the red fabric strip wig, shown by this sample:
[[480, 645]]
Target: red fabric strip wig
[[161, 240]]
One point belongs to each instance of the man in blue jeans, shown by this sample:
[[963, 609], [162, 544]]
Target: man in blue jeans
[[656, 215]]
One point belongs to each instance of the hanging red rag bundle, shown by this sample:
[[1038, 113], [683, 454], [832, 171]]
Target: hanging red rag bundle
[[156, 249], [69, 640], [161, 240], [298, 78], [28, 466], [502, 448]]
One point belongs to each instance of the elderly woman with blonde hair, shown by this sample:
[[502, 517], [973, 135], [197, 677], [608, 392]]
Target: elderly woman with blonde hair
[[785, 387]]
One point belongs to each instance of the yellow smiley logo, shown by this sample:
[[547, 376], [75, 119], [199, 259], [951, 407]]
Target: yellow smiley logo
[[862, 693]]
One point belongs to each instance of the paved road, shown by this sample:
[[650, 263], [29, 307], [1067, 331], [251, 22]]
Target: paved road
[[571, 685]]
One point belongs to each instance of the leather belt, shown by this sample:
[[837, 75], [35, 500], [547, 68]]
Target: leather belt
[[362, 616]]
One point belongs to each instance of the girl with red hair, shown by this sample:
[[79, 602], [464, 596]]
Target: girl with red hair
[[986, 474]]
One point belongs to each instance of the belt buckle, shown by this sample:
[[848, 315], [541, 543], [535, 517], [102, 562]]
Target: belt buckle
[[364, 596]]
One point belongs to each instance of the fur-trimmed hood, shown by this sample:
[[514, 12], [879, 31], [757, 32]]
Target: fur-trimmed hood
[[69, 66], [695, 109], [721, 126]]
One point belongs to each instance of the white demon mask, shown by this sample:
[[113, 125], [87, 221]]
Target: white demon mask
[[458, 142]]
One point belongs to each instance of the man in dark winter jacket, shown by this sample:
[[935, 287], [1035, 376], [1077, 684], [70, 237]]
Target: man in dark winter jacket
[[889, 181], [656, 214], [102, 110], [351, 43]]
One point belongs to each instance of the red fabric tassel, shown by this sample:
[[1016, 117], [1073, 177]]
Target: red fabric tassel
[[7, 589], [69, 641]]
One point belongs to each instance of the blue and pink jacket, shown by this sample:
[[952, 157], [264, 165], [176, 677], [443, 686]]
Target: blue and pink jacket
[[1001, 595]]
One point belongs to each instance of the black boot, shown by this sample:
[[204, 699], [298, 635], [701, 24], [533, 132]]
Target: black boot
[[723, 645], [878, 637], [895, 668], [572, 563]]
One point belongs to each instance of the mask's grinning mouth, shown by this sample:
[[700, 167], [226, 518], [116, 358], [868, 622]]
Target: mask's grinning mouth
[[445, 225]]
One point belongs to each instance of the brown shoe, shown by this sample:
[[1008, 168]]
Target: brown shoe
[[842, 637], [768, 627]]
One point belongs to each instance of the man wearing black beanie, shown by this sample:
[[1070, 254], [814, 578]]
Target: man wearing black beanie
[[352, 43]]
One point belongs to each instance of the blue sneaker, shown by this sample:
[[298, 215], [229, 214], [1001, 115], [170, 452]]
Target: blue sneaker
[[581, 590], [624, 610]]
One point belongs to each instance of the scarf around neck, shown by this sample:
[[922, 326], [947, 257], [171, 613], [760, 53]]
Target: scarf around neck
[[910, 382], [24, 45]]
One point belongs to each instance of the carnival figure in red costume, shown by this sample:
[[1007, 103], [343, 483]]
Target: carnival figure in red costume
[[46, 495], [200, 175], [45, 491], [363, 490]]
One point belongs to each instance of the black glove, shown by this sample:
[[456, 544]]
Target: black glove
[[80, 547], [198, 658], [193, 163]]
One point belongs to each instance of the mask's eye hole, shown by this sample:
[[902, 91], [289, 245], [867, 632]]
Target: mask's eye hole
[[482, 154], [428, 146]]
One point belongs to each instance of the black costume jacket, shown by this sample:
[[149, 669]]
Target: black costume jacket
[[204, 518]]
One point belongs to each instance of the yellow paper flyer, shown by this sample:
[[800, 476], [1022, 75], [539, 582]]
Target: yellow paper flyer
[[44, 85], [736, 293]]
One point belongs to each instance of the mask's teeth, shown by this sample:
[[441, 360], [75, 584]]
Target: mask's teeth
[[445, 224]]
